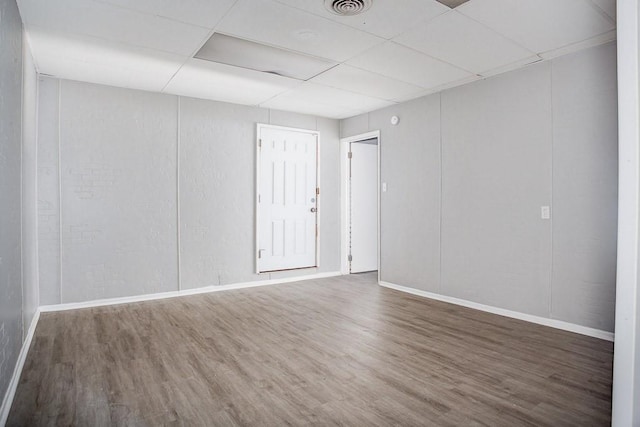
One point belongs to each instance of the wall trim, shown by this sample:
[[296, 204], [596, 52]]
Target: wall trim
[[553, 323], [17, 372], [183, 292]]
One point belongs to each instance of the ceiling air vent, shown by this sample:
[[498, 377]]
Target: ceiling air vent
[[347, 7], [452, 3]]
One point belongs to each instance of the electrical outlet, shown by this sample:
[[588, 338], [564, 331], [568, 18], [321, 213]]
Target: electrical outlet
[[545, 212]]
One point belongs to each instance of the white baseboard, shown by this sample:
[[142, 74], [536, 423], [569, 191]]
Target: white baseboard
[[554, 323], [15, 378], [184, 292]]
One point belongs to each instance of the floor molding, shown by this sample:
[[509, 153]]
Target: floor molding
[[17, 372], [554, 323], [184, 292]]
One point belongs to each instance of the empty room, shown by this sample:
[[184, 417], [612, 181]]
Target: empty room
[[319, 212]]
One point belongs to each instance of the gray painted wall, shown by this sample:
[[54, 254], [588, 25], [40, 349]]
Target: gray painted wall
[[129, 164], [585, 188], [30, 300], [468, 170], [496, 173], [48, 191], [10, 147], [118, 178]]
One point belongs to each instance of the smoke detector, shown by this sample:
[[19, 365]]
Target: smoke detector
[[347, 7]]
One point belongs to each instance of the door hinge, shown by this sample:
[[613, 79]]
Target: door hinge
[[316, 231], [350, 155], [260, 142], [259, 198], [350, 258], [317, 191], [260, 253]]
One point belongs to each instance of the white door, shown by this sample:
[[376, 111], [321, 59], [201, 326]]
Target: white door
[[287, 199], [363, 190]]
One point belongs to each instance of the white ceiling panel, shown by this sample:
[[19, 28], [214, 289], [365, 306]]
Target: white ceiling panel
[[396, 51], [407, 65], [291, 102], [270, 22], [98, 61], [461, 41], [112, 23], [386, 19], [595, 41], [445, 86], [608, 6], [366, 83], [211, 80], [513, 66], [540, 25], [319, 94], [205, 13]]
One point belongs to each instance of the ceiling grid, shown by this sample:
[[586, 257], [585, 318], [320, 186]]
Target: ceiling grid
[[395, 51]]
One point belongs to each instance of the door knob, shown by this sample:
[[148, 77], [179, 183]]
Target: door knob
[[313, 209]]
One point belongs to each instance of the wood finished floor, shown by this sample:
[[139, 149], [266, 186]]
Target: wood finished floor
[[338, 351]]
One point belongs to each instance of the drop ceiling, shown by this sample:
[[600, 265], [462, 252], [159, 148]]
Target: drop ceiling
[[396, 51]]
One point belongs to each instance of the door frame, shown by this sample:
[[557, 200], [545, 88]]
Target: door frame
[[344, 196], [256, 230]]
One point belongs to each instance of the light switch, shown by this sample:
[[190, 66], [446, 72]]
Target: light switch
[[545, 212], [384, 187]]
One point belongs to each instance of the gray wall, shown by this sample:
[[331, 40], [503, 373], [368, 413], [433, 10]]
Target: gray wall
[[30, 300], [10, 147], [48, 192], [118, 167], [468, 170]]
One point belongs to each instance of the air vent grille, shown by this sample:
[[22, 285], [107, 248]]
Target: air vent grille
[[452, 3], [347, 7]]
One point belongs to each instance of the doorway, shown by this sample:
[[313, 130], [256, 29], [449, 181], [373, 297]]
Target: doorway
[[361, 203], [286, 199]]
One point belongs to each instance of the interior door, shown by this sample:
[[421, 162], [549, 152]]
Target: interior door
[[287, 199], [363, 188]]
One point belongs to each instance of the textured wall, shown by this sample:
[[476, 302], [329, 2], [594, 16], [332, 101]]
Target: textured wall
[[10, 147], [120, 153], [585, 197], [545, 135], [411, 254], [30, 299], [118, 176], [217, 192], [496, 173], [48, 192]]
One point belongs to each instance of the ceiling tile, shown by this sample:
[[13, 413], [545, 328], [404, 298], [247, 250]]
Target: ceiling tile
[[513, 66], [540, 25], [97, 61], [594, 41], [112, 23], [385, 18], [273, 23], [461, 41], [366, 83], [205, 13], [407, 65], [436, 89], [309, 106], [211, 80], [318, 94], [608, 6]]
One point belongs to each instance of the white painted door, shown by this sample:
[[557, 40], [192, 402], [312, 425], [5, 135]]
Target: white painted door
[[287, 199], [364, 206]]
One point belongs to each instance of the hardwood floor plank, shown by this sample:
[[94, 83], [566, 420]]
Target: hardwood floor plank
[[338, 351]]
